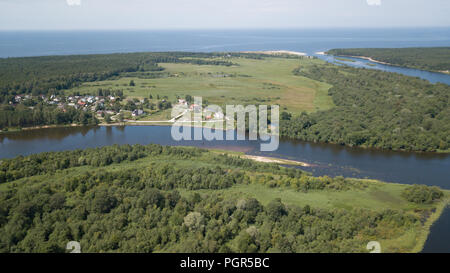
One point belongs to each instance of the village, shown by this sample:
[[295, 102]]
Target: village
[[116, 108]]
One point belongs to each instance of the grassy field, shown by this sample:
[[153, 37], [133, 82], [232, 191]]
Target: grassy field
[[268, 81], [375, 196]]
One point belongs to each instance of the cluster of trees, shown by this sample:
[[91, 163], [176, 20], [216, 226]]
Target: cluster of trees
[[375, 109], [421, 194], [105, 92], [39, 115], [164, 104], [145, 209], [433, 58]]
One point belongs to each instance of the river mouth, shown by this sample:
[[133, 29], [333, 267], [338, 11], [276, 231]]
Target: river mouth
[[432, 77]]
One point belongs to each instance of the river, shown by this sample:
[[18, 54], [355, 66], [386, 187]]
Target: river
[[432, 77], [326, 159]]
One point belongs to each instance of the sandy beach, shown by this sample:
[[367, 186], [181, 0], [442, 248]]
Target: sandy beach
[[278, 52], [370, 59], [276, 160]]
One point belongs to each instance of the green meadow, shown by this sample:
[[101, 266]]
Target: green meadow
[[251, 81]]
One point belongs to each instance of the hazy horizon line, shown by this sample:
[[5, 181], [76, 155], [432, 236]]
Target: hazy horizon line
[[228, 28]]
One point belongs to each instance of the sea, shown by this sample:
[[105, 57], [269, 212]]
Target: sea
[[310, 41]]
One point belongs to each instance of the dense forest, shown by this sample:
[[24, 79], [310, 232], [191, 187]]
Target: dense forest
[[375, 109], [41, 115], [432, 58], [49, 199], [50, 74]]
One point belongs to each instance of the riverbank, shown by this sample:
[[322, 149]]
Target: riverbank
[[16, 130], [205, 123], [281, 161], [422, 239], [370, 59]]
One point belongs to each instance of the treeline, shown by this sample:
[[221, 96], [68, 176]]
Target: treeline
[[40, 115], [37, 164], [425, 58], [144, 209], [375, 109]]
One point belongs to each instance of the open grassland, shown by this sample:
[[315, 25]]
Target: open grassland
[[251, 81]]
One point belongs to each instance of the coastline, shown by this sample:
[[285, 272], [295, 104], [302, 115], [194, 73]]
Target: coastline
[[277, 52], [370, 59], [358, 57]]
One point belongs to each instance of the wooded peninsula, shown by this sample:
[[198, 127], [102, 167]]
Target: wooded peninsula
[[435, 59]]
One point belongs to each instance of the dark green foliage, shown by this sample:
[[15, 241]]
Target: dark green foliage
[[285, 116], [163, 105], [120, 215], [103, 201], [376, 109], [422, 194], [276, 209], [141, 209], [434, 58]]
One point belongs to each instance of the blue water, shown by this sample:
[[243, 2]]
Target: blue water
[[38, 43], [325, 159], [362, 63]]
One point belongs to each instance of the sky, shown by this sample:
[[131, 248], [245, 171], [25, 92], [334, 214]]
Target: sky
[[220, 14]]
